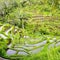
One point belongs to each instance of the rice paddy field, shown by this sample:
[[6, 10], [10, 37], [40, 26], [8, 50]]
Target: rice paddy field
[[29, 29]]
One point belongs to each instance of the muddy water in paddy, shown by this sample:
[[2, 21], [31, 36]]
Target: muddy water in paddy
[[31, 47]]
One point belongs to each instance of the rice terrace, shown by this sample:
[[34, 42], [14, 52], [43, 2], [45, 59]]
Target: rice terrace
[[29, 29]]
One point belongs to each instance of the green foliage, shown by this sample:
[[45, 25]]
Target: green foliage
[[3, 47]]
